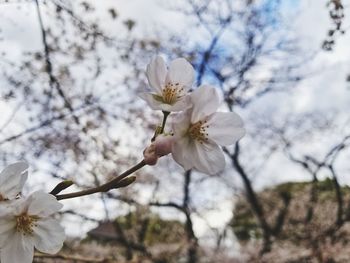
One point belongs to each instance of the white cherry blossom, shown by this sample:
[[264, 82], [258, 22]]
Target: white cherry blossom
[[28, 223], [199, 131], [12, 179], [169, 87]]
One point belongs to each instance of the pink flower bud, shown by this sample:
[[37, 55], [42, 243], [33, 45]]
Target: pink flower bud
[[163, 144], [149, 155]]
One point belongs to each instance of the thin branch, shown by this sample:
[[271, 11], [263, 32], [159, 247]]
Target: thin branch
[[104, 187], [54, 84], [252, 198], [37, 127], [339, 197], [72, 258], [191, 237]]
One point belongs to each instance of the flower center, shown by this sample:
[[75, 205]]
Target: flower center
[[197, 131], [25, 223], [172, 92]]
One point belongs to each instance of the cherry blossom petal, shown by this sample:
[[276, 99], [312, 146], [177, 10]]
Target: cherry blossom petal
[[156, 73], [208, 157], [18, 249], [12, 179], [7, 227], [181, 152], [48, 236], [182, 72], [225, 128], [156, 102], [180, 124], [205, 101], [42, 204], [182, 104], [18, 206], [153, 100]]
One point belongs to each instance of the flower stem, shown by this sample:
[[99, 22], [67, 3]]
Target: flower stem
[[165, 116], [160, 129], [105, 187]]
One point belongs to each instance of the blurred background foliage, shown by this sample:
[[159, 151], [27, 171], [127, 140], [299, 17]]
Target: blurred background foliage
[[70, 75]]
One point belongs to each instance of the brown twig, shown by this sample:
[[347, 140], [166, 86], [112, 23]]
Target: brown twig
[[104, 187], [73, 258]]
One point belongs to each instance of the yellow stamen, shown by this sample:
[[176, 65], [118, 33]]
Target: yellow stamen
[[25, 223], [197, 131], [172, 92]]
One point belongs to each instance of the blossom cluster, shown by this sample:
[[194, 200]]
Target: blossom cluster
[[26, 222], [198, 130]]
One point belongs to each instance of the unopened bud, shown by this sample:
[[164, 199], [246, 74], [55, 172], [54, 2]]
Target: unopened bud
[[149, 155], [163, 144], [61, 186]]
